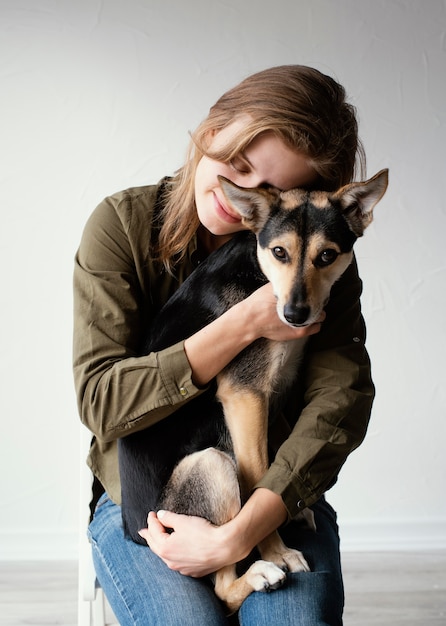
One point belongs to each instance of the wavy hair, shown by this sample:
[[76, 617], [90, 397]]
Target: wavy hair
[[306, 109]]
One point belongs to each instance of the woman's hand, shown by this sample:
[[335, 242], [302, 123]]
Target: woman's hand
[[187, 544], [261, 308], [215, 345]]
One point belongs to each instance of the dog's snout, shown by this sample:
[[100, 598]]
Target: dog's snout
[[296, 315]]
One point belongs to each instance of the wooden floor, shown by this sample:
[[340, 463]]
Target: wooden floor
[[382, 589]]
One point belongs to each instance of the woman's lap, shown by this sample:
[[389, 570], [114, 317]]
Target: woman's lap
[[142, 590]]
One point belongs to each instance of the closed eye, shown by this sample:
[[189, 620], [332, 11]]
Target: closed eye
[[326, 257], [240, 165]]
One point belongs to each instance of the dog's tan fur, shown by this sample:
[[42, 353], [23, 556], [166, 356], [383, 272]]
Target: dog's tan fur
[[246, 412]]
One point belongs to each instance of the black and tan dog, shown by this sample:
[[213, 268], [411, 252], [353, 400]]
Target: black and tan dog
[[206, 458]]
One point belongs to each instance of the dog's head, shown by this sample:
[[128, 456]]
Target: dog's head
[[305, 238]]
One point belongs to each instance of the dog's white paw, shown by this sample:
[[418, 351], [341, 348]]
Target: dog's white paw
[[265, 576]]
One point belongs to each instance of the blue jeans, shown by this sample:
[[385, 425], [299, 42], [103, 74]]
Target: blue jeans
[[143, 591]]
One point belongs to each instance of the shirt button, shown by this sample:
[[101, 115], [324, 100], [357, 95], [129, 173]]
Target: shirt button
[[183, 391], [356, 339], [301, 504]]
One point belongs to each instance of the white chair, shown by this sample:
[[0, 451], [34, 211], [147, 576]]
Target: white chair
[[91, 599]]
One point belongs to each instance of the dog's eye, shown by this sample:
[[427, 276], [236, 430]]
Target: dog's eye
[[326, 257], [280, 253]]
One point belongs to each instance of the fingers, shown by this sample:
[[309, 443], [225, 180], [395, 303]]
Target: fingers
[[314, 328], [271, 323], [179, 549], [155, 528], [144, 533], [322, 317], [167, 518]]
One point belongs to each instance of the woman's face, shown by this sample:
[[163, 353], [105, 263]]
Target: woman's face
[[266, 161]]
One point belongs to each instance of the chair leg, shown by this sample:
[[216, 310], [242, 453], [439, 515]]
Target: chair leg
[[84, 613], [98, 608], [92, 612], [91, 599]]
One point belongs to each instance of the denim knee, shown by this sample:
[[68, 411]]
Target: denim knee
[[140, 588]]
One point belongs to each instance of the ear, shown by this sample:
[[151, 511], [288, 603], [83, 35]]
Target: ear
[[253, 204], [359, 199]]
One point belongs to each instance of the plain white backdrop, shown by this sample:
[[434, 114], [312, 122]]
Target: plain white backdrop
[[99, 95]]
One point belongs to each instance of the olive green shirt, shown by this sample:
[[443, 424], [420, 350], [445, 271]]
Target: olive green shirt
[[119, 288]]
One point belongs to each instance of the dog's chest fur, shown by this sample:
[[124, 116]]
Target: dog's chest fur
[[225, 278]]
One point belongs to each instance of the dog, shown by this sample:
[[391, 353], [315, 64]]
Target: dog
[[206, 458]]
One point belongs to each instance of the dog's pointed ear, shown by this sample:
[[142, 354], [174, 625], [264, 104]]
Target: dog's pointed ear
[[253, 204], [359, 199]]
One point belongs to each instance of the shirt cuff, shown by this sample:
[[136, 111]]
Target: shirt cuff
[[294, 493], [176, 373]]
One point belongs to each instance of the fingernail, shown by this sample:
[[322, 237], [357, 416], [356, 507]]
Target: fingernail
[[161, 514]]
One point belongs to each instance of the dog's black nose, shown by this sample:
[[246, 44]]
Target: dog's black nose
[[296, 315]]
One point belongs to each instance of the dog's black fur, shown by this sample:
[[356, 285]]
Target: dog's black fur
[[232, 270]]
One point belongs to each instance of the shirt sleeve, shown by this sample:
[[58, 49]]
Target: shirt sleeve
[[337, 396], [118, 390]]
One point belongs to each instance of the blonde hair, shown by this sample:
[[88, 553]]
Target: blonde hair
[[302, 106]]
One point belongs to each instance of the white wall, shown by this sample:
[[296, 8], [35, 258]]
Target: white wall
[[98, 95]]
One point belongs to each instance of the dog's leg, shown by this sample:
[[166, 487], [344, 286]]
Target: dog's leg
[[246, 415], [261, 576], [204, 484], [273, 549]]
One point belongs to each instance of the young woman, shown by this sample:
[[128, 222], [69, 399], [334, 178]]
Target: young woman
[[287, 126]]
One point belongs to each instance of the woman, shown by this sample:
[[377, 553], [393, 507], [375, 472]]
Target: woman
[[287, 126]]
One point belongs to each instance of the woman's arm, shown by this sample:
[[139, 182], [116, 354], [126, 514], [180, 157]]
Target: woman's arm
[[213, 347], [116, 293], [197, 548]]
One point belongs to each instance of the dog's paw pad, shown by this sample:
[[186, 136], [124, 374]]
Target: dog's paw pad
[[265, 576]]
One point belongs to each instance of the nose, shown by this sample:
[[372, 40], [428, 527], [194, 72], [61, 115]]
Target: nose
[[296, 315]]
